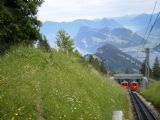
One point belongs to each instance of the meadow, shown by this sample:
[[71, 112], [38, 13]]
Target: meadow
[[54, 86], [152, 94]]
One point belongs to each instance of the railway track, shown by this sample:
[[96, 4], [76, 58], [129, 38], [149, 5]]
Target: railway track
[[142, 112]]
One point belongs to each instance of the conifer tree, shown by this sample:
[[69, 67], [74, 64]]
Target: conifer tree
[[156, 69], [143, 67], [18, 23]]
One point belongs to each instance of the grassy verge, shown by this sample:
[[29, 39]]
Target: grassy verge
[[152, 94], [53, 86]]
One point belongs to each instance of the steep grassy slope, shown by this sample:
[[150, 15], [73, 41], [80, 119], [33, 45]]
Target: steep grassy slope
[[152, 94], [36, 85]]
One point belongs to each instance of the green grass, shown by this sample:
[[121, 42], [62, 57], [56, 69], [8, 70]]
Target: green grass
[[63, 87], [152, 94]]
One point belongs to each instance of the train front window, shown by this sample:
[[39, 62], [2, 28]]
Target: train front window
[[125, 84]]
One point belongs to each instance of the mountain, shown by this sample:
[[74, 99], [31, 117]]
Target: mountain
[[135, 23], [140, 22], [49, 29], [125, 20], [157, 48], [116, 60], [92, 38]]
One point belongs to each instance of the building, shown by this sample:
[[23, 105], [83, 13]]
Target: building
[[131, 77]]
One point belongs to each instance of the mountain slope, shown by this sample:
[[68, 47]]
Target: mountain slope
[[92, 38], [157, 48], [53, 86], [117, 61], [140, 22]]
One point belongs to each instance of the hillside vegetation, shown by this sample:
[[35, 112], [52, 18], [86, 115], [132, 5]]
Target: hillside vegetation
[[116, 60], [51, 86], [152, 94]]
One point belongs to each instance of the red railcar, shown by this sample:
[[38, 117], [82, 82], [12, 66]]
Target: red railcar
[[134, 86], [125, 85]]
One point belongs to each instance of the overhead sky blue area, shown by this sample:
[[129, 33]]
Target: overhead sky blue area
[[69, 10]]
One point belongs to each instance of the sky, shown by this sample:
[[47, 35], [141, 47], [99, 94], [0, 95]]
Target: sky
[[69, 10]]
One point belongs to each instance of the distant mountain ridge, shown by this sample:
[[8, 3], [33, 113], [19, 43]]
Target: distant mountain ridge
[[135, 23], [93, 38], [50, 28], [117, 61], [139, 23]]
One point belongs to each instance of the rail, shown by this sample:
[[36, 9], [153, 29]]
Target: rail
[[142, 112]]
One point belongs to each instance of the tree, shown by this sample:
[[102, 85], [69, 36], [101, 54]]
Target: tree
[[64, 41], [143, 67], [156, 69], [95, 62], [104, 68], [44, 45], [77, 53], [18, 23]]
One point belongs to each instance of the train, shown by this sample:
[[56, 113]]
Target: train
[[132, 86], [124, 84]]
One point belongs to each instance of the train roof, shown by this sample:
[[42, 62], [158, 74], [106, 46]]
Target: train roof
[[133, 82], [124, 82]]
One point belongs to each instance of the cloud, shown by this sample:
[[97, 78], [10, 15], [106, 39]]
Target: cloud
[[67, 10]]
